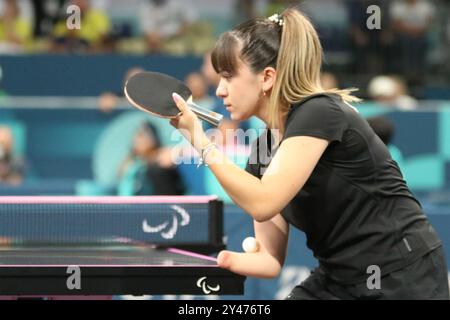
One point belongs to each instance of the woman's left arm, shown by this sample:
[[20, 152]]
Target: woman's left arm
[[288, 171]]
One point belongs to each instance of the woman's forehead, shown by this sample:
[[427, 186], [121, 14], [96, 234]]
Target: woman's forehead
[[226, 54]]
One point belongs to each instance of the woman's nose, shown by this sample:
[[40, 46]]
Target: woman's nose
[[221, 91]]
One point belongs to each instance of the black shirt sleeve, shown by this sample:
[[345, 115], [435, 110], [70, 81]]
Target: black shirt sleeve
[[252, 169], [260, 155], [253, 166], [319, 117]]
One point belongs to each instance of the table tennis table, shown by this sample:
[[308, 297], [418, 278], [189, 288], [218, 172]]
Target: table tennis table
[[46, 251], [112, 270]]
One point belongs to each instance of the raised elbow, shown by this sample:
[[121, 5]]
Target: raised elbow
[[260, 218], [263, 213], [275, 273]]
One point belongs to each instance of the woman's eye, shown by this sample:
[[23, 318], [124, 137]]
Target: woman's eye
[[226, 75]]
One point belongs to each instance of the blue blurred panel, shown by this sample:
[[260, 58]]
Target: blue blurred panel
[[371, 109], [60, 142], [64, 140], [45, 187], [78, 75], [424, 172], [415, 132], [447, 175], [61, 167], [93, 188], [441, 223], [436, 92], [444, 129], [193, 178], [62, 132], [7, 114]]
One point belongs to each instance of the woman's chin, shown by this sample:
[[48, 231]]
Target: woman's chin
[[236, 117]]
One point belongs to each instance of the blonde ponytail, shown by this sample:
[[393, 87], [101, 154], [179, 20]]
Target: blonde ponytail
[[298, 67]]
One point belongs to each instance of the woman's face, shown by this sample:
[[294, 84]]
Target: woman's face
[[242, 93]]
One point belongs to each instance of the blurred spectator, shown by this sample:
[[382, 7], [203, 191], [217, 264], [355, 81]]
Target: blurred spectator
[[164, 20], [411, 22], [108, 101], [385, 130], [94, 32], [391, 91], [199, 88], [383, 127], [15, 31], [328, 81], [148, 170], [11, 168], [371, 48]]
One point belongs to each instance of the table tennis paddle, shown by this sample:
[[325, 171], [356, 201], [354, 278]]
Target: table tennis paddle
[[152, 92]]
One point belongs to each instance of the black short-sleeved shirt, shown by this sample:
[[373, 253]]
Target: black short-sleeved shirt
[[355, 209]]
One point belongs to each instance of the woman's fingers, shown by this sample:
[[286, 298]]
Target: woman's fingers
[[174, 122], [179, 101], [224, 259], [187, 122]]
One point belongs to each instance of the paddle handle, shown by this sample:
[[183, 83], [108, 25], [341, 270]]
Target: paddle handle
[[209, 116]]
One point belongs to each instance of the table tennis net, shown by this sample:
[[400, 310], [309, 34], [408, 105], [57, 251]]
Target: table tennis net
[[69, 220]]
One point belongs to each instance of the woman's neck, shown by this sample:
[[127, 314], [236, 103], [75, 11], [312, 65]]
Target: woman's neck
[[264, 116]]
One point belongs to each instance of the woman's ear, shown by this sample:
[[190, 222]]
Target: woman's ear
[[269, 76]]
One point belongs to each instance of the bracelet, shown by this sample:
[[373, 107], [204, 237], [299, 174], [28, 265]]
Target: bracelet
[[205, 152]]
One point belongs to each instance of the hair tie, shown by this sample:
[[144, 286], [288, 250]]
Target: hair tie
[[276, 18]]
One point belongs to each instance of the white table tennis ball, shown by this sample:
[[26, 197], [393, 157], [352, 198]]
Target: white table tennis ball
[[250, 245]]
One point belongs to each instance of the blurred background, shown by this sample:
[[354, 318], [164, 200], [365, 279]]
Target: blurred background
[[65, 128]]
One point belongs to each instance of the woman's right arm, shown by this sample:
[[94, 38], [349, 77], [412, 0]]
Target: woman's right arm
[[272, 236]]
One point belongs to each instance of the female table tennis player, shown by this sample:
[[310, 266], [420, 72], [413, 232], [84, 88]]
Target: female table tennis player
[[331, 176]]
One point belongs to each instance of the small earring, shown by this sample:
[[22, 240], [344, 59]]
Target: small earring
[[264, 93]]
